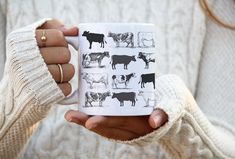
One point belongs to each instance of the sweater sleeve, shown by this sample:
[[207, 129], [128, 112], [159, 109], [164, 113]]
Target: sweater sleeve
[[188, 133], [27, 90], [3, 35]]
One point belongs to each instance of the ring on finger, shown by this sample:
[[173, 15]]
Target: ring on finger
[[43, 38], [61, 73]]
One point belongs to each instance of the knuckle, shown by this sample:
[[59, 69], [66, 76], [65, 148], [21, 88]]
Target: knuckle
[[59, 34], [65, 53], [72, 69], [68, 89]]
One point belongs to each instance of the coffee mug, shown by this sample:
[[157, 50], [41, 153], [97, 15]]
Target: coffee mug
[[117, 63]]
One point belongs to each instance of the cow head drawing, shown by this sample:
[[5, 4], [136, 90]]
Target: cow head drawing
[[140, 55], [133, 58], [85, 33], [106, 53], [109, 34]]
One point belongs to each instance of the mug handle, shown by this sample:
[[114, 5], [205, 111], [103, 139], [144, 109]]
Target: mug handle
[[73, 98]]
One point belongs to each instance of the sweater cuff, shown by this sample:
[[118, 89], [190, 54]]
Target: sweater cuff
[[28, 67], [170, 94]]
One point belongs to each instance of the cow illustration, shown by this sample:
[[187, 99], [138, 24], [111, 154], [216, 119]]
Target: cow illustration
[[146, 78], [125, 96], [87, 59], [122, 59], [146, 58], [95, 78], [118, 38], [146, 39], [121, 79], [148, 97], [94, 37], [95, 97]]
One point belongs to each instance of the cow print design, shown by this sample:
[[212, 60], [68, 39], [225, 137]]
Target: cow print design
[[125, 96], [94, 37], [146, 78], [124, 81], [99, 98], [146, 39], [94, 57], [121, 79], [118, 38], [122, 59], [93, 78], [146, 58]]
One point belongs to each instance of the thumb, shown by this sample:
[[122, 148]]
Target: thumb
[[69, 31], [157, 118]]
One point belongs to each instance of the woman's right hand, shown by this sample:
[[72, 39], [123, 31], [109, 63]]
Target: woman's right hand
[[54, 51]]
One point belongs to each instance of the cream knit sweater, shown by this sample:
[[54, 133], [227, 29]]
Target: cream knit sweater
[[202, 55]]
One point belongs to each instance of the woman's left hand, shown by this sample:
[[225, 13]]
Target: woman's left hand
[[119, 127]]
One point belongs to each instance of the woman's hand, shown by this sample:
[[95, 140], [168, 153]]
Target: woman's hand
[[54, 50], [119, 128]]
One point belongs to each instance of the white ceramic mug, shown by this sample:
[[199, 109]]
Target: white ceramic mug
[[116, 69]]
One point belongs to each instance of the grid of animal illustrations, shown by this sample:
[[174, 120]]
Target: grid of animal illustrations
[[118, 67]]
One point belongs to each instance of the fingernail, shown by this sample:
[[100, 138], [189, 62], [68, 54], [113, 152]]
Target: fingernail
[[157, 121], [68, 27], [91, 126], [69, 119]]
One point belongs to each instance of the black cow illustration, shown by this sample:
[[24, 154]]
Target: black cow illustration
[[145, 57], [122, 79], [122, 59], [125, 96], [145, 78], [94, 37], [94, 57], [122, 38], [95, 97]]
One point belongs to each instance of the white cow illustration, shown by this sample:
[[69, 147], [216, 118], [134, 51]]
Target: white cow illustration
[[96, 78], [146, 39], [148, 97]]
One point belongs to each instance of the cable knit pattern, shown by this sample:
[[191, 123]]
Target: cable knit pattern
[[25, 97], [180, 31], [187, 134]]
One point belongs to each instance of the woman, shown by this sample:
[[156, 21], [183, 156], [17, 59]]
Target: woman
[[187, 47]]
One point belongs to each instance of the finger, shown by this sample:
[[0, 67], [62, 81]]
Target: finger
[[114, 133], [157, 118], [72, 31], [55, 55], [54, 37], [65, 88], [67, 70], [76, 117], [137, 125], [52, 24]]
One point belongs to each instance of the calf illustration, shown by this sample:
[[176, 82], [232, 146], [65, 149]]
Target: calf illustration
[[96, 78], [118, 38], [121, 79], [148, 97], [87, 59], [146, 78], [95, 97], [146, 39], [146, 58], [94, 37], [125, 96], [122, 59]]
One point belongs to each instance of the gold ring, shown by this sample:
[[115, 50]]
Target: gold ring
[[61, 73], [44, 38]]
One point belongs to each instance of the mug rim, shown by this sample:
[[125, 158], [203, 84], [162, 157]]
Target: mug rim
[[118, 23]]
